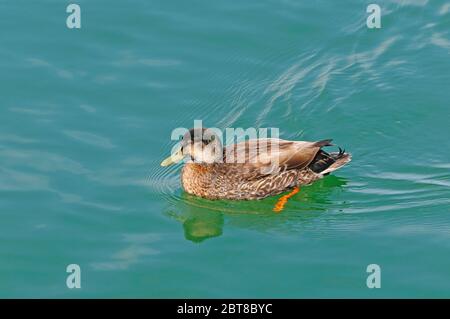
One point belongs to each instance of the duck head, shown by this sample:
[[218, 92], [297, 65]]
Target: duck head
[[200, 145]]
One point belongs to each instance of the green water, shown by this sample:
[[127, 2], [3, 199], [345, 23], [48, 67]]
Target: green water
[[86, 118]]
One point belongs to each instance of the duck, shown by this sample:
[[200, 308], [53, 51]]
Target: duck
[[252, 169]]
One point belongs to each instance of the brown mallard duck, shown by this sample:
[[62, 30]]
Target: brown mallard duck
[[253, 169]]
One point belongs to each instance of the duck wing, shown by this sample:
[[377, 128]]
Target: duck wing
[[271, 156]]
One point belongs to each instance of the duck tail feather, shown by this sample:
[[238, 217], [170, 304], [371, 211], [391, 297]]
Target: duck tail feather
[[324, 143], [341, 159]]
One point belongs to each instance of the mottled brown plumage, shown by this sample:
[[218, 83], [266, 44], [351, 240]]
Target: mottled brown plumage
[[254, 169]]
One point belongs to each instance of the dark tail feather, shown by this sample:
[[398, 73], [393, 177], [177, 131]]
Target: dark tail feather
[[325, 163], [323, 143], [340, 159]]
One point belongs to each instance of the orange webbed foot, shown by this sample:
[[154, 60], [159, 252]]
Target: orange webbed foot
[[283, 200]]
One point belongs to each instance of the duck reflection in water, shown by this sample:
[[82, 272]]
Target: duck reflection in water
[[203, 219], [199, 223]]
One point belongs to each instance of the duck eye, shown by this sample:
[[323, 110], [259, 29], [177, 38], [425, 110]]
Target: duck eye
[[208, 139]]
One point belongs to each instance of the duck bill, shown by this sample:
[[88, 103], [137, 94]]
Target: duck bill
[[172, 159]]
